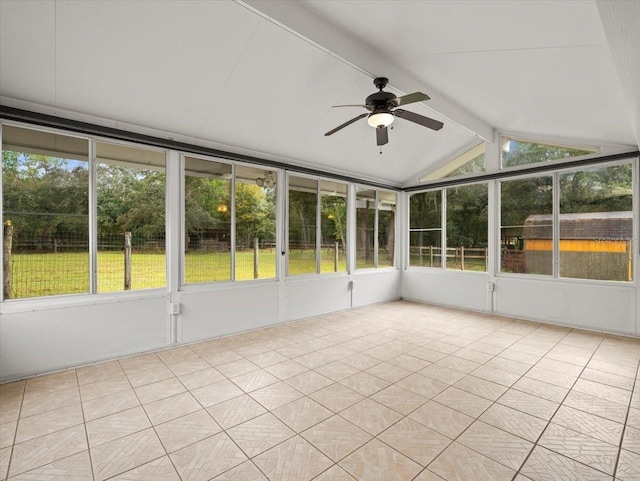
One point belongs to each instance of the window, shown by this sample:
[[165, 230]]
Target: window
[[45, 188], [596, 223], [131, 217], [317, 226], [207, 221], [526, 230], [425, 229], [375, 228], [467, 227], [255, 214], [469, 162], [522, 152]]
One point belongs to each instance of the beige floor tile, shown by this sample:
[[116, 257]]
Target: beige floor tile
[[481, 387], [560, 366], [371, 416], [254, 380], [361, 361], [48, 422], [216, 393], [376, 461], [590, 425], [559, 379], [541, 389], [463, 401], [508, 365], [47, 449], [427, 475], [170, 408], [442, 419], [473, 355], [143, 361], [186, 430], [607, 378], [389, 372], [613, 394], [458, 463], [584, 449], [496, 444], [458, 363], [399, 399], [536, 406], [201, 378], [5, 456], [415, 441], [98, 372], [293, 460], [219, 356], [266, 359], [364, 383], [159, 390], [335, 473], [104, 388], [515, 422], [286, 369], [408, 362], [442, 374], [633, 418], [140, 377], [181, 368], [598, 406], [628, 466], [51, 383], [8, 433], [314, 359], [302, 413], [116, 426], [246, 471], [236, 368], [10, 407], [336, 397], [613, 368], [48, 401], [160, 469], [259, 434], [423, 386], [336, 437], [124, 454], [427, 354], [207, 458], [496, 375], [73, 468], [276, 395], [236, 411], [104, 406], [337, 370], [631, 441], [545, 465], [308, 382]]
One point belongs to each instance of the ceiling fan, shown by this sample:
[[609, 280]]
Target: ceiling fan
[[383, 108]]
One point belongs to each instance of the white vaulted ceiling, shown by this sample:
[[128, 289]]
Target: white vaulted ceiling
[[260, 77]]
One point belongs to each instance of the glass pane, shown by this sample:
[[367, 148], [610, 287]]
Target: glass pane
[[45, 188], [207, 218], [526, 232], [469, 162], [255, 223], [386, 228], [596, 223], [425, 248], [425, 229], [333, 227], [522, 152], [131, 218], [365, 227], [467, 227], [303, 202]]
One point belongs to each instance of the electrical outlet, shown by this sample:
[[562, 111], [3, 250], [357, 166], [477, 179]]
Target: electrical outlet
[[175, 308], [491, 286]]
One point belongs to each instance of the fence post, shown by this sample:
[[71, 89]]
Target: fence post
[[461, 257], [335, 257], [7, 244], [486, 260], [430, 256], [127, 261], [256, 250]]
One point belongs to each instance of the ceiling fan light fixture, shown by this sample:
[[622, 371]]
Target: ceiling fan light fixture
[[380, 119]]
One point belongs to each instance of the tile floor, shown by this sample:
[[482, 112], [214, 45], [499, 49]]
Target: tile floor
[[400, 392]]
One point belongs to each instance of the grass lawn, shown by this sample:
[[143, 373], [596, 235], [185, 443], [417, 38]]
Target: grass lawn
[[46, 274]]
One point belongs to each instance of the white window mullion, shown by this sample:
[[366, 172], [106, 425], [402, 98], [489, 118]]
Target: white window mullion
[[443, 230], [375, 228], [93, 219], [318, 227], [556, 225], [232, 257]]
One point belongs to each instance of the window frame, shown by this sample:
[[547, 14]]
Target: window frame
[[376, 240]]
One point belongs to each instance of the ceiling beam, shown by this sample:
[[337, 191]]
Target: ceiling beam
[[620, 21], [299, 20]]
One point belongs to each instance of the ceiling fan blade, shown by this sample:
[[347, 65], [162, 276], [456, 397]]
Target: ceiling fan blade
[[418, 119], [411, 98], [350, 105], [382, 135], [339, 127]]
